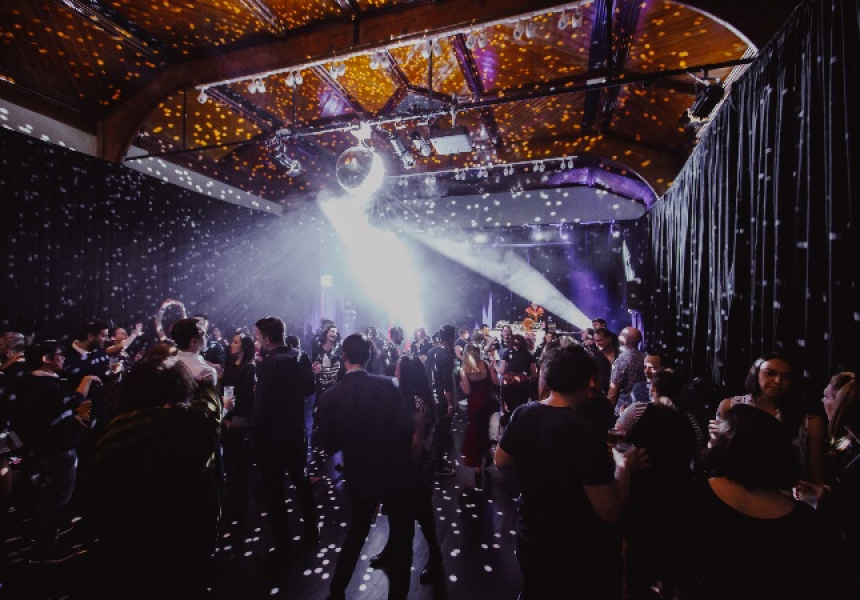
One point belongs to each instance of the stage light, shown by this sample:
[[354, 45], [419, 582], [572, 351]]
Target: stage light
[[707, 100], [202, 97], [421, 144], [575, 20], [437, 48], [252, 87], [426, 49], [261, 87], [290, 79], [531, 30], [519, 30], [374, 61], [482, 39], [471, 40], [298, 78], [401, 151]]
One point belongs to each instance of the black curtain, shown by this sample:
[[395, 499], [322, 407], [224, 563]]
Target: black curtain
[[755, 248], [85, 239]]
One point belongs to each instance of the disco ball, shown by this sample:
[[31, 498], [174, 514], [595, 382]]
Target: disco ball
[[359, 170]]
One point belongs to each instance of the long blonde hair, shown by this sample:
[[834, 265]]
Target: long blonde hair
[[473, 364]]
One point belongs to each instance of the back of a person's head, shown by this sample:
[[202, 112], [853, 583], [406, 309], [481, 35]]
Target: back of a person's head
[[447, 334], [371, 332], [846, 413], [155, 381], [567, 370], [92, 327], [14, 342], [34, 353], [753, 448], [471, 357], [518, 342], [413, 377], [669, 384], [272, 328], [185, 330], [293, 341], [395, 332], [356, 349]]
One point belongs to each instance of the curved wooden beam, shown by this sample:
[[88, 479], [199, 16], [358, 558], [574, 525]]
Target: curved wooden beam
[[371, 30]]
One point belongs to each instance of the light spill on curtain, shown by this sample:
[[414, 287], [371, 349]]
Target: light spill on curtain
[[754, 248]]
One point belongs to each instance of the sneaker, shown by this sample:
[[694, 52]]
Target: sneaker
[[444, 472]]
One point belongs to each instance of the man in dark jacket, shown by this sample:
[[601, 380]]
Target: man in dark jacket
[[364, 417], [284, 378]]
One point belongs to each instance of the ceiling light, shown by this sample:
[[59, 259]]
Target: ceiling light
[[299, 79], [421, 144], [261, 87], [471, 40], [290, 79], [575, 20], [437, 48], [374, 61], [202, 97], [426, 49], [519, 30], [252, 87], [362, 132], [400, 150], [482, 39], [562, 20], [531, 29]]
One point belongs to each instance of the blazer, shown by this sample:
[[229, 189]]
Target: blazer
[[365, 418]]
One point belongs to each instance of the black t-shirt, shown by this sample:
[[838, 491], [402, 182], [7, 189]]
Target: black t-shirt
[[440, 371], [556, 452], [517, 361]]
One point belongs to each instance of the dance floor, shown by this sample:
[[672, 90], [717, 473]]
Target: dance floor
[[475, 528]]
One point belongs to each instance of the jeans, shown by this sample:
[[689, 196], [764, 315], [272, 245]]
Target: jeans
[[401, 525], [58, 473]]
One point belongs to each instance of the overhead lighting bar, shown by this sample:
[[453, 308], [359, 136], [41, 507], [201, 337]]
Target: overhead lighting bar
[[480, 39]]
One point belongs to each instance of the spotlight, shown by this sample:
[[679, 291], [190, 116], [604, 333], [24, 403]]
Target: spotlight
[[261, 87], [421, 144], [575, 20], [562, 20], [374, 61], [531, 30], [252, 87], [614, 230], [471, 40], [202, 97], [426, 49], [400, 150], [290, 79], [519, 30], [298, 78], [437, 48], [707, 100], [359, 170], [482, 39]]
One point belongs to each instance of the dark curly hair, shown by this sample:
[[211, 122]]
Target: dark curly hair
[[754, 449]]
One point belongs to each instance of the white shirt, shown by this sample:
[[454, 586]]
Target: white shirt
[[200, 370]]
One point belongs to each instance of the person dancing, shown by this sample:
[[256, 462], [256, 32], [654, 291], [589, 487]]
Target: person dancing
[[478, 381]]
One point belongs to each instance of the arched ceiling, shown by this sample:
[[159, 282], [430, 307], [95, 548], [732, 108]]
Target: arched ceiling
[[603, 94]]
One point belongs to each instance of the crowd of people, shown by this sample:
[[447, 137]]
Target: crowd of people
[[632, 484]]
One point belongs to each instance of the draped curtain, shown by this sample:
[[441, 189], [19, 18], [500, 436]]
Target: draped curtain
[[83, 239], [755, 247]]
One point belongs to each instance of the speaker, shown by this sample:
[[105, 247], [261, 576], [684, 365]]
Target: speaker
[[634, 295]]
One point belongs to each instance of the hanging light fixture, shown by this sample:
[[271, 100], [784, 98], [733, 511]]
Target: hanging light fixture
[[519, 30], [531, 29], [202, 97]]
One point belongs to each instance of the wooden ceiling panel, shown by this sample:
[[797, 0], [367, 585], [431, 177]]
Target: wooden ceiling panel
[[672, 36], [447, 76], [543, 119], [650, 116], [508, 63], [370, 88], [191, 28], [57, 53], [366, 5]]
